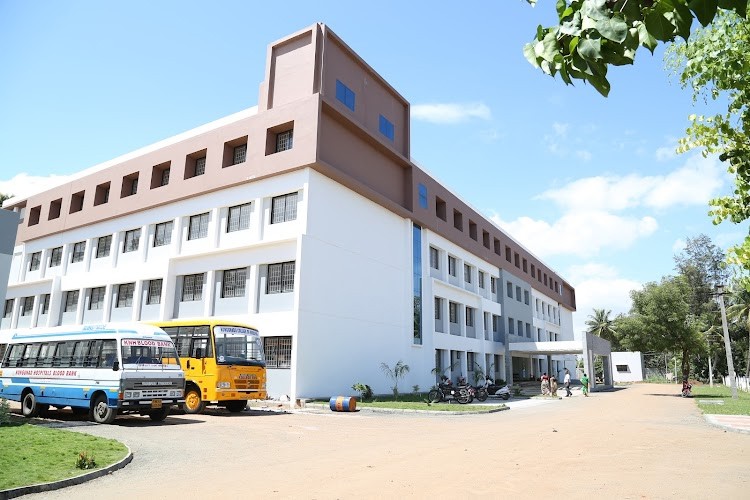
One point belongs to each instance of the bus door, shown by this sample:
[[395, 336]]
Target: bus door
[[196, 354]]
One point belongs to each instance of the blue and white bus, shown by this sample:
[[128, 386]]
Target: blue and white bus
[[99, 370]]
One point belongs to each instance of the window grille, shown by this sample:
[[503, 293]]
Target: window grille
[[198, 226], [240, 152], [453, 312], [278, 352], [35, 261], [284, 208], [518, 293], [434, 258], [192, 287], [27, 306], [8, 308], [200, 166], [154, 292], [451, 265], [97, 298], [165, 177], [480, 279], [284, 141], [79, 249], [134, 186], [438, 307], [132, 238], [233, 283], [239, 218], [469, 316], [56, 257], [163, 234], [45, 304], [493, 284], [103, 245], [125, 295], [467, 273], [71, 301], [280, 278]]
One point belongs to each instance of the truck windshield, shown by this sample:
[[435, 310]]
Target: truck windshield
[[238, 346], [149, 352]]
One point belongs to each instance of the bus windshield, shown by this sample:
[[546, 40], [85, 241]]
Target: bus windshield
[[238, 346], [149, 352]]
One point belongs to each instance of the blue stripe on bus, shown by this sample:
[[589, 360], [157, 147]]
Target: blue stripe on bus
[[58, 395]]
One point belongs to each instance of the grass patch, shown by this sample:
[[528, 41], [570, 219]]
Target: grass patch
[[417, 401], [740, 406], [31, 454]]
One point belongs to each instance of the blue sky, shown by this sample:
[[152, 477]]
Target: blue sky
[[590, 185]]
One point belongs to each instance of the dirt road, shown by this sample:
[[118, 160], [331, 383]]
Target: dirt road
[[639, 442]]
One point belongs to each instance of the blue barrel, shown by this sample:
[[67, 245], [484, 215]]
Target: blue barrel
[[343, 403]]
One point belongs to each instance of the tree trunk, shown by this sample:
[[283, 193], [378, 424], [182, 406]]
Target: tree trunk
[[685, 364]]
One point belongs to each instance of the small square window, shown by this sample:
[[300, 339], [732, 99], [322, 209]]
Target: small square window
[[434, 258], [240, 152], [163, 233], [35, 261], [198, 226], [55, 257], [440, 209], [79, 250], [103, 245], [129, 185], [160, 175], [34, 214], [235, 152], [54, 209], [101, 195], [132, 238], [195, 164], [125, 295], [386, 128], [284, 208], [76, 202], [284, 140], [154, 292], [345, 95], [238, 218]]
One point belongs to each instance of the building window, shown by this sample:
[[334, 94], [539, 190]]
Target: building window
[[520, 327], [507, 254], [622, 368], [56, 257], [71, 301], [495, 323], [129, 185], [345, 95], [438, 308], [417, 283], [27, 306], [434, 258], [198, 227], [165, 177], [34, 214], [8, 311], [101, 195], [458, 220], [528, 330], [526, 297], [79, 250], [54, 209], [97, 298], [280, 278], [451, 265], [154, 292], [76, 202], [238, 218], [284, 140], [480, 279], [239, 154], [233, 283], [103, 244], [35, 261], [386, 128], [284, 208], [511, 326], [469, 316], [518, 293], [132, 238], [125, 295], [493, 284], [200, 166], [278, 352], [192, 287], [44, 306], [467, 273], [441, 209], [163, 233], [453, 312], [422, 196], [509, 287]]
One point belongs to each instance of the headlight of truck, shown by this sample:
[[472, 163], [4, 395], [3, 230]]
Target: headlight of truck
[[222, 385]]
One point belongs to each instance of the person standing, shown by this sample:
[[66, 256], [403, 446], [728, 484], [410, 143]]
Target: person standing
[[566, 383], [585, 385]]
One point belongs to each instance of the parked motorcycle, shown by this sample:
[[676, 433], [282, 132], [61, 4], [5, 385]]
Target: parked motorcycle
[[445, 392], [686, 389], [498, 391], [479, 392]]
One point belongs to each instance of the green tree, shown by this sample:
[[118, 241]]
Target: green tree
[[4, 197], [601, 325], [738, 312], [594, 34], [703, 265], [399, 370], [715, 64], [661, 320]]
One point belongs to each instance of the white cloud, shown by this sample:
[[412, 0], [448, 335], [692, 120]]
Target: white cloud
[[698, 180], [665, 153], [599, 286], [583, 155], [581, 233], [23, 184], [450, 113]]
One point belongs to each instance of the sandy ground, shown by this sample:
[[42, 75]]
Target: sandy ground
[[642, 441]]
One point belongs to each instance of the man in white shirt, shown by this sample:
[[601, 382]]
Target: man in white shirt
[[566, 381]]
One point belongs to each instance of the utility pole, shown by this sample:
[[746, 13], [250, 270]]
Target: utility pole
[[727, 345]]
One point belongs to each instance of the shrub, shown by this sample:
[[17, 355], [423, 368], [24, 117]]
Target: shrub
[[85, 461], [364, 391], [4, 411]]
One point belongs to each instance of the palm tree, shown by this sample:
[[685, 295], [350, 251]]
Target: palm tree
[[397, 372], [601, 325], [739, 312]]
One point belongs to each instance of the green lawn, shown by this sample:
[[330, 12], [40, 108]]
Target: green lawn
[[30, 454], [740, 406], [418, 401]]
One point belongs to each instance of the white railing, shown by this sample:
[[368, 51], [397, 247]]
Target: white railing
[[743, 383]]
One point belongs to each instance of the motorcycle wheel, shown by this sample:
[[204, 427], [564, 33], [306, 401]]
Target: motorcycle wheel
[[506, 397], [482, 395], [464, 396], [434, 396]]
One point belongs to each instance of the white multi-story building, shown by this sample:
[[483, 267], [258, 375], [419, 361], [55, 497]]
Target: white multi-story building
[[305, 217]]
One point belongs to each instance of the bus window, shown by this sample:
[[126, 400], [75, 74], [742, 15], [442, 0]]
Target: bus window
[[108, 355], [45, 355], [63, 354], [15, 354], [92, 358], [79, 353]]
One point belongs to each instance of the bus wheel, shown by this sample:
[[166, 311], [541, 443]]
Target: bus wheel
[[236, 406], [193, 403], [159, 415], [101, 412], [29, 406]]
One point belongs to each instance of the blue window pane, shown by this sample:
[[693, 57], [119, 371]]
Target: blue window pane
[[386, 127], [345, 95], [423, 196]]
